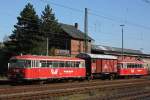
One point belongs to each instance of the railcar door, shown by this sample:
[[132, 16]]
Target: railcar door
[[98, 65], [34, 70], [93, 65]]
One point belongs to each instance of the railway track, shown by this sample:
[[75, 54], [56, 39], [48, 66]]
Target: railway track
[[121, 88], [25, 88]]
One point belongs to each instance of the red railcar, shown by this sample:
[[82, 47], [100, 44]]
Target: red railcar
[[131, 66], [30, 67], [100, 65]]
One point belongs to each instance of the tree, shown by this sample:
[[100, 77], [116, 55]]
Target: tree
[[26, 37], [49, 26]]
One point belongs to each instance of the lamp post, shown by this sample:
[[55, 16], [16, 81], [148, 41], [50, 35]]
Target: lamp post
[[122, 40], [47, 46]]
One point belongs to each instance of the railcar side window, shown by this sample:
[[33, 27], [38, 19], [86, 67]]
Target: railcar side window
[[37, 63], [61, 64], [140, 66], [119, 65], [43, 63], [82, 64], [129, 65], [68, 64], [77, 64], [49, 64], [72, 64], [123, 65], [55, 64], [28, 63], [136, 65]]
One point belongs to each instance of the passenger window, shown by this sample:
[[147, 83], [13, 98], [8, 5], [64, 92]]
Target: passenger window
[[80, 65], [72, 64], [61, 64], [142, 66], [77, 64], [49, 64], [129, 66], [28, 63], [43, 63], [138, 65], [132, 65], [119, 66], [68, 64], [37, 63], [55, 64], [83, 64]]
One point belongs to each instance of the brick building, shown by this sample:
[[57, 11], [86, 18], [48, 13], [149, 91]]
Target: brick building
[[72, 41]]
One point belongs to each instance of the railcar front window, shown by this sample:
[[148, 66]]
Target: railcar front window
[[20, 63]]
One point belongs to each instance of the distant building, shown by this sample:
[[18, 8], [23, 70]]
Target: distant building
[[115, 51]]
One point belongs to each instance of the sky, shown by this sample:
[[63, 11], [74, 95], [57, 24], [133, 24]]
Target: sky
[[104, 19]]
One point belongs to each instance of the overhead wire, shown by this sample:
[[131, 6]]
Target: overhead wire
[[94, 13]]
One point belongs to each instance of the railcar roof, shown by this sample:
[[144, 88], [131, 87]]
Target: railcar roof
[[37, 57], [101, 56], [132, 61]]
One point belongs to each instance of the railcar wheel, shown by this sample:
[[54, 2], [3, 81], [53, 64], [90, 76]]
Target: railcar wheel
[[112, 76], [41, 82], [89, 78]]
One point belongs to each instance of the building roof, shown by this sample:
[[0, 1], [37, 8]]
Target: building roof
[[108, 49], [100, 56], [74, 32]]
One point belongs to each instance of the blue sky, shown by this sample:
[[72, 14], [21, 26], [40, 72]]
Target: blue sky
[[104, 19]]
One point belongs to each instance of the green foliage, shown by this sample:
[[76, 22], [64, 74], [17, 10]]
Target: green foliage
[[50, 26], [26, 37], [49, 22], [30, 33]]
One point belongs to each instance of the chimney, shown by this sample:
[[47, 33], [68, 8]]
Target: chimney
[[76, 25]]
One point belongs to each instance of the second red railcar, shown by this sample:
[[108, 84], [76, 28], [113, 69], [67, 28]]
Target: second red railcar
[[131, 66]]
